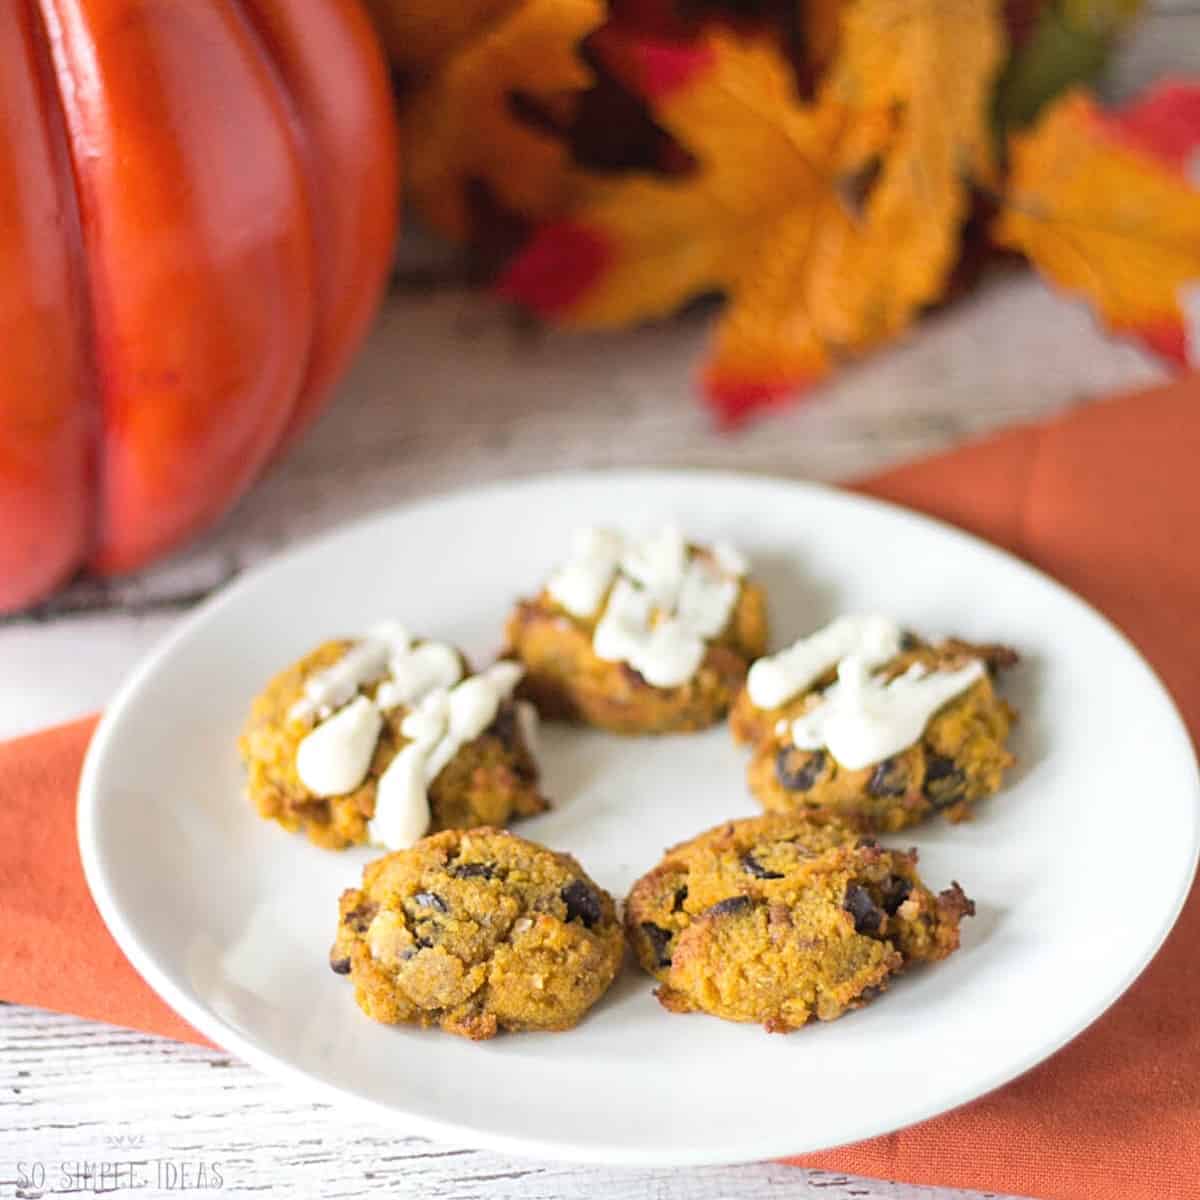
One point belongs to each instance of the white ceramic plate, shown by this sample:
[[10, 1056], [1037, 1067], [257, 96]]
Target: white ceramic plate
[[230, 919]]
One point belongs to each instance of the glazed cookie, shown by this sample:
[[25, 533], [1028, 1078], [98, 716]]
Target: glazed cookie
[[782, 918], [384, 738], [650, 636], [476, 932], [870, 722]]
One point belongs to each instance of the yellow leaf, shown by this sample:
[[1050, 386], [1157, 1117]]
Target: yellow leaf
[[462, 127], [935, 58], [1104, 206], [419, 35], [827, 225], [821, 21]]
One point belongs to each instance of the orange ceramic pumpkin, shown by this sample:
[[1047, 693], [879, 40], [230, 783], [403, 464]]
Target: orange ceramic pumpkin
[[197, 206]]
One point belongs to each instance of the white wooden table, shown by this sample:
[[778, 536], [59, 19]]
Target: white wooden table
[[450, 392]]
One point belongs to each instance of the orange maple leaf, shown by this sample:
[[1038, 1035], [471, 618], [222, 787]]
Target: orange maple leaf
[[419, 36], [821, 21], [1108, 205], [827, 225], [463, 127]]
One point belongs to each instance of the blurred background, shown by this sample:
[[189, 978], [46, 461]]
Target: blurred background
[[809, 238]]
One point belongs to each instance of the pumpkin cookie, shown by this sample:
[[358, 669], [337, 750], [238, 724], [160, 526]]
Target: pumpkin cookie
[[384, 738], [476, 932], [782, 918], [650, 636], [916, 728]]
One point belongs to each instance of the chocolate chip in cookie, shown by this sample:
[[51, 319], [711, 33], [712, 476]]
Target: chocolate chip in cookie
[[888, 778], [729, 906], [868, 916], [820, 920], [477, 931], [752, 866], [799, 770], [659, 939], [583, 904]]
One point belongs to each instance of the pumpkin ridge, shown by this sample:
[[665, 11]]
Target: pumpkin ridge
[[257, 35], [349, 154], [73, 231], [47, 423], [197, 207], [200, 257]]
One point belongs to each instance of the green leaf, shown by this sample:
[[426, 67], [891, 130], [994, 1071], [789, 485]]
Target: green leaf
[[1070, 45]]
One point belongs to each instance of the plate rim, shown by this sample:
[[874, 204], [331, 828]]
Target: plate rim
[[597, 1152]]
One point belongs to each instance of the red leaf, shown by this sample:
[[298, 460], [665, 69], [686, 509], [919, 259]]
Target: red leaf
[[1164, 123], [560, 264]]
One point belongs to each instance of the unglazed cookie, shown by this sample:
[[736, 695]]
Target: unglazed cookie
[[476, 932], [384, 738], [782, 918], [650, 636], [952, 754]]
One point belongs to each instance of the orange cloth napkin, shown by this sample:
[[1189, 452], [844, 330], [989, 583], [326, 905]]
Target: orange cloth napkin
[[1106, 498]]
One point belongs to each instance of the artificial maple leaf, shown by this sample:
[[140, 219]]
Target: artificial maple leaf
[[822, 22], [1056, 45], [419, 36], [607, 127], [816, 21], [827, 225], [1108, 205], [807, 29], [465, 124]]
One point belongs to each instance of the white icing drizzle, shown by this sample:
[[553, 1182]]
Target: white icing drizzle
[[663, 603], [417, 671], [658, 563], [447, 711], [327, 690], [333, 759], [665, 654], [862, 720], [579, 586], [706, 597], [401, 801], [621, 631], [774, 680], [731, 559], [396, 635], [441, 724]]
